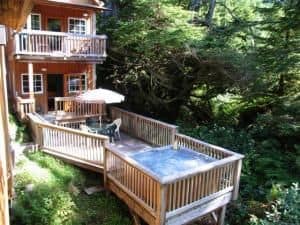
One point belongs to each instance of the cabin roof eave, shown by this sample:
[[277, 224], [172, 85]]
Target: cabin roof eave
[[14, 13], [96, 6]]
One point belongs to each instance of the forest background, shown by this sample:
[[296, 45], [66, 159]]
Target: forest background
[[227, 72]]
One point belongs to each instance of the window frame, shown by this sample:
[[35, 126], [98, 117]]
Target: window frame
[[34, 75], [80, 19], [77, 75], [29, 22]]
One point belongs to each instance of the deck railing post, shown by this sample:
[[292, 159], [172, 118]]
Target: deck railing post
[[105, 152], [236, 179], [173, 133], [162, 204], [39, 136], [221, 216]]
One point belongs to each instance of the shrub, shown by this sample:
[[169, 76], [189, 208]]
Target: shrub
[[284, 207], [45, 205]]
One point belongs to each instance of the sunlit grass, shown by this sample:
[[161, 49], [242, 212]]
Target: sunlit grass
[[45, 195]]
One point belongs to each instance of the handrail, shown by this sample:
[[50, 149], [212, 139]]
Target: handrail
[[24, 106], [60, 44], [44, 32], [25, 100], [150, 130], [68, 108], [73, 143], [203, 147]]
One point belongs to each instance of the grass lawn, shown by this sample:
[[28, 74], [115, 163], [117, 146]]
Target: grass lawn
[[50, 192]]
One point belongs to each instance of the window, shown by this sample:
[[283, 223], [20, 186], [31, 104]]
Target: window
[[37, 83], [77, 83], [77, 26], [33, 22]]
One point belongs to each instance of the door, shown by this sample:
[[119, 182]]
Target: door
[[55, 41], [55, 88], [54, 24]]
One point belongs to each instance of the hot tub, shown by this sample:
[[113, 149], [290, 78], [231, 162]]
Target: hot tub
[[174, 185]]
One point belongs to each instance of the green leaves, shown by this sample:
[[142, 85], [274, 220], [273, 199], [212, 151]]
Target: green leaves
[[48, 192]]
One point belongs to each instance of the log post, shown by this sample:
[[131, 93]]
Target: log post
[[162, 204], [236, 179], [5, 163], [221, 217], [31, 83]]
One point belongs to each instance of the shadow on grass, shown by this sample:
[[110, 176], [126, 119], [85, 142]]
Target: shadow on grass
[[51, 202], [22, 133]]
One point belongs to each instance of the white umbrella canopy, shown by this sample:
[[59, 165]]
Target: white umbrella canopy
[[100, 95]]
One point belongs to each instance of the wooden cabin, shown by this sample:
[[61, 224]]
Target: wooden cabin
[[12, 14], [55, 54]]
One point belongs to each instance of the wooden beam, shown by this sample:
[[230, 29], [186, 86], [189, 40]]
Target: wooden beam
[[13, 13], [222, 216], [72, 3], [4, 145], [24, 12]]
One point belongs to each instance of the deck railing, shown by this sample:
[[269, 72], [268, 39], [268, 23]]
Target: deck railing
[[143, 186], [200, 146], [128, 180], [59, 44], [24, 106], [222, 154], [74, 124], [150, 130], [77, 145], [164, 199], [68, 108]]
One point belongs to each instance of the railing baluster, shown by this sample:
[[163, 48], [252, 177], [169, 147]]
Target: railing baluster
[[59, 43]]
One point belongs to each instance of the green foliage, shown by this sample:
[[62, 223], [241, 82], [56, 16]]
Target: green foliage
[[45, 205], [19, 131], [45, 195], [64, 174], [284, 207], [265, 163], [235, 83]]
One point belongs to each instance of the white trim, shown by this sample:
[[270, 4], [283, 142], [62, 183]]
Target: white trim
[[77, 74], [42, 83], [78, 18], [40, 19], [29, 20]]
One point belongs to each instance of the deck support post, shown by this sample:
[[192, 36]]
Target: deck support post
[[105, 167], [236, 179], [5, 157], [31, 83], [221, 218], [162, 201], [94, 76], [136, 218]]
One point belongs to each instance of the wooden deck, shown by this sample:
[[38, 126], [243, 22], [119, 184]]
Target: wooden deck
[[179, 199], [128, 144]]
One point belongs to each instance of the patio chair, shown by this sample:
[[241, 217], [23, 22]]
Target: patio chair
[[109, 131], [118, 123]]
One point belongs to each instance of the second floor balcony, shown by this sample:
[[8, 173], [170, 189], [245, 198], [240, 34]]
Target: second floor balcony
[[59, 46]]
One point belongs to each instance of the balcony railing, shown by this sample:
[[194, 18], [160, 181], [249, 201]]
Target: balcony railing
[[59, 44]]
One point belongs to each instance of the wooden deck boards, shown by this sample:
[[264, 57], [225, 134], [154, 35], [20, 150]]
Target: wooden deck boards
[[129, 144]]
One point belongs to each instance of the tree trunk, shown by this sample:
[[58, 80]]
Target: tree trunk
[[210, 12], [195, 5]]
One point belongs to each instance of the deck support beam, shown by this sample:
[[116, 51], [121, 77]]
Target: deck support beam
[[5, 159], [136, 218], [222, 216], [31, 83]]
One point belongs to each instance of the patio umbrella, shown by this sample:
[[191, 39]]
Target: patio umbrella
[[100, 95]]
